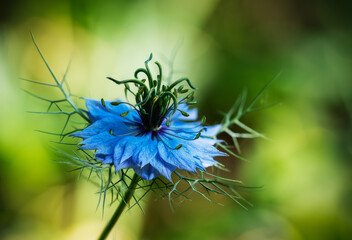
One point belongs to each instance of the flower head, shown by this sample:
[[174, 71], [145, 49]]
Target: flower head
[[156, 135]]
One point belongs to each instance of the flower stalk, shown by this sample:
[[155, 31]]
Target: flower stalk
[[126, 198]]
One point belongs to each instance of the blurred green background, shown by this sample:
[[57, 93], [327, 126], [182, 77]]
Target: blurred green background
[[223, 46]]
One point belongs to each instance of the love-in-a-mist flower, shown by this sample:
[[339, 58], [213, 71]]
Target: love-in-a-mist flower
[[156, 135]]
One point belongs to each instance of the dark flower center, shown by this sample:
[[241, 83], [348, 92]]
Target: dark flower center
[[156, 102]]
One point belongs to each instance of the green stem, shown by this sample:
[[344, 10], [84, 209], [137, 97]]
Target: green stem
[[126, 198]]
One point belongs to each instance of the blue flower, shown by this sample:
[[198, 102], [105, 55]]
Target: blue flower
[[156, 135], [125, 142]]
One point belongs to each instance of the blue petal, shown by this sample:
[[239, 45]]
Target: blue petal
[[147, 151], [106, 159], [163, 167], [117, 124], [96, 141], [128, 147], [129, 163], [97, 111], [118, 151], [193, 114], [190, 156], [131, 144], [176, 157], [147, 172], [212, 131], [185, 125]]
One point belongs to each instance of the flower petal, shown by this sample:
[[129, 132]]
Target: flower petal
[[147, 172], [163, 167], [150, 154], [212, 131], [97, 111]]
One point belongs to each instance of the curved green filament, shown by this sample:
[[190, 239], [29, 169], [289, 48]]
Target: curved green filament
[[115, 104], [151, 112], [155, 102], [145, 88], [140, 70], [159, 76], [173, 99], [146, 98], [138, 97], [150, 79], [178, 82], [127, 88]]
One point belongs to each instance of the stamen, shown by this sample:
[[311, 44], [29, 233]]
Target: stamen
[[176, 148], [195, 138], [182, 129], [179, 89], [118, 103], [137, 123], [158, 102], [126, 134], [124, 114], [183, 113], [192, 102], [203, 120], [103, 102]]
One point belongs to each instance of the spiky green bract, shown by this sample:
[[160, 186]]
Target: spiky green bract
[[234, 118]]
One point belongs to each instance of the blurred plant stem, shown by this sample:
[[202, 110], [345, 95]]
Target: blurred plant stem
[[124, 201]]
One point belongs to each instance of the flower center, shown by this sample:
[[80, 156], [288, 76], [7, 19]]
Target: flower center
[[154, 112], [156, 102]]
